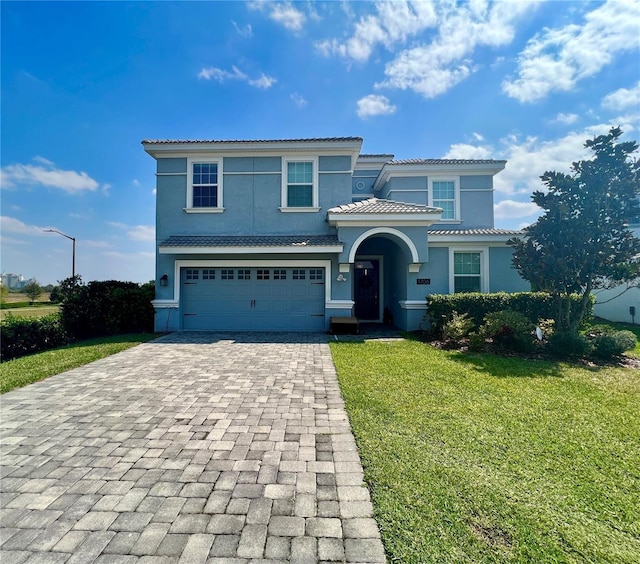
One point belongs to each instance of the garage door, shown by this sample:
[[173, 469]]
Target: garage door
[[252, 299]]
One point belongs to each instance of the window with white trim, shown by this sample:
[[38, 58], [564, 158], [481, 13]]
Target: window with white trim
[[300, 184], [467, 271], [444, 193], [204, 185]]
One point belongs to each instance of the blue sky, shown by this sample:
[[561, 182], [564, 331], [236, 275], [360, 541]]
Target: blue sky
[[84, 82]]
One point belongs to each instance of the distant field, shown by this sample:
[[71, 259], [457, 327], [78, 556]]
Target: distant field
[[20, 297], [36, 311]]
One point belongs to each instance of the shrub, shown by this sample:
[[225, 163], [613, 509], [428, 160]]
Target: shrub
[[457, 327], [566, 344], [20, 336], [106, 308], [610, 343], [533, 305], [509, 329]]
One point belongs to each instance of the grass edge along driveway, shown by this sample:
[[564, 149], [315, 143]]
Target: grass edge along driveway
[[32, 368], [477, 458]]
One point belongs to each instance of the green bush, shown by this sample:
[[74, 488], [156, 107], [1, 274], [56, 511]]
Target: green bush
[[20, 336], [609, 343], [533, 305], [566, 344], [457, 327], [100, 309], [509, 329]]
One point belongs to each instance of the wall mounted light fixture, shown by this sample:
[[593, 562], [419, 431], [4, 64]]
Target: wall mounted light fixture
[[164, 280]]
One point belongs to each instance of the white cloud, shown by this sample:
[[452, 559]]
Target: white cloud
[[287, 15], [13, 225], [135, 182], [221, 75], [566, 118], [374, 105], [557, 59], [45, 174], [264, 81], [298, 100], [142, 233], [136, 232], [509, 209], [283, 13], [467, 151], [432, 69], [393, 22], [245, 31], [432, 65], [623, 99]]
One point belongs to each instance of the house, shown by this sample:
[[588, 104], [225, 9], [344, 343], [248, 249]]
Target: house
[[282, 235]]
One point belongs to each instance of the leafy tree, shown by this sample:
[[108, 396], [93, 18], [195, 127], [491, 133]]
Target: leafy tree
[[33, 290], [582, 240], [4, 292]]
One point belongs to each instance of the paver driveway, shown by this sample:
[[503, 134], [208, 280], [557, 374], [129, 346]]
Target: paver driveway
[[197, 447]]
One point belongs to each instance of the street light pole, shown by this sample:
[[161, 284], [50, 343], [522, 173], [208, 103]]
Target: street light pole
[[73, 258]]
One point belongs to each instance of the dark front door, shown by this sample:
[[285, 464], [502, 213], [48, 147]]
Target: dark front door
[[367, 289]]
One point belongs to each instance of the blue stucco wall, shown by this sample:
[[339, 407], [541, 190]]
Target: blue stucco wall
[[503, 277]]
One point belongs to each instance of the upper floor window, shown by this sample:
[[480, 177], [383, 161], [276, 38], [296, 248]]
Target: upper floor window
[[444, 193], [300, 185], [204, 186]]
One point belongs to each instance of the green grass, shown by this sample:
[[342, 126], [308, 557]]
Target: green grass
[[28, 369], [37, 310], [479, 458]]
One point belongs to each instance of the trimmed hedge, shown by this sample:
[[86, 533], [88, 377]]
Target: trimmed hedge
[[104, 308], [20, 336], [533, 305]]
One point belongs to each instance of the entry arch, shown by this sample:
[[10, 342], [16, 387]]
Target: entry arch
[[384, 231]]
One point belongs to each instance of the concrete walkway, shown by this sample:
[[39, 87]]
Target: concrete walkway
[[197, 447]]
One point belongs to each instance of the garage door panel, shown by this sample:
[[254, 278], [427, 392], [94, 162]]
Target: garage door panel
[[253, 299]]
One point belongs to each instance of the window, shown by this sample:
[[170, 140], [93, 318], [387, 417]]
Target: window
[[279, 274], [263, 274], [191, 274], [444, 194], [204, 186], [208, 274], [244, 274], [467, 272], [299, 274], [300, 185], [227, 274], [315, 274]]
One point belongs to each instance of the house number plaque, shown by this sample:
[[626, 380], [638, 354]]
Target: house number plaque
[[424, 281]]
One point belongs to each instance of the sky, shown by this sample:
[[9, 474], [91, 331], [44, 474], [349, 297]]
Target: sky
[[83, 83]]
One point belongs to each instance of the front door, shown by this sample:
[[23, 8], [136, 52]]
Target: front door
[[367, 289]]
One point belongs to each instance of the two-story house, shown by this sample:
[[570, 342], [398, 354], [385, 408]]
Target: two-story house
[[282, 235]]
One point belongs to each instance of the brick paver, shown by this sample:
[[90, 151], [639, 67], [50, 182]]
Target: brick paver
[[196, 447]]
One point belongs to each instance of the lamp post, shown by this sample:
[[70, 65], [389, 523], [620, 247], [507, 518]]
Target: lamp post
[[73, 259]]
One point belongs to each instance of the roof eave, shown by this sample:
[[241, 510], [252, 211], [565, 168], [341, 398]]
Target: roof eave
[[352, 219]]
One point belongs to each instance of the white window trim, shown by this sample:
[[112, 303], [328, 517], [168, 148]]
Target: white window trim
[[484, 266], [456, 188], [315, 206], [189, 207]]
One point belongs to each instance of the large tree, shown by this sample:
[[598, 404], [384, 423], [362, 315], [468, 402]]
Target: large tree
[[582, 240], [33, 291]]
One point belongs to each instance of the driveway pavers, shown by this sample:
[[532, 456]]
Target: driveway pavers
[[196, 447]]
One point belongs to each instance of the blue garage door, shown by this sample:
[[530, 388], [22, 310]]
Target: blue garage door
[[252, 299]]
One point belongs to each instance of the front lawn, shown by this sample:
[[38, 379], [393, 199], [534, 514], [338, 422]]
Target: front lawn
[[28, 369], [479, 458]]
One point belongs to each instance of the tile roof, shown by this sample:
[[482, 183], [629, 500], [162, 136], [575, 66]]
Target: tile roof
[[309, 140], [444, 162], [251, 241], [377, 206], [480, 231]]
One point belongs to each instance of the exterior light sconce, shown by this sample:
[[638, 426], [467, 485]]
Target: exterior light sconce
[[341, 278], [164, 280]]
